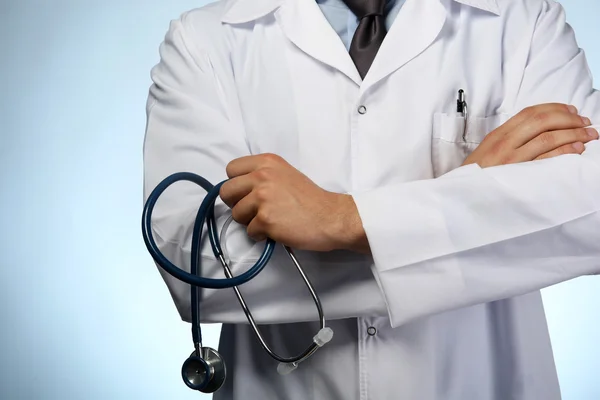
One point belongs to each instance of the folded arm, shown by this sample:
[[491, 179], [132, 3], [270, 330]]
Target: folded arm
[[477, 234]]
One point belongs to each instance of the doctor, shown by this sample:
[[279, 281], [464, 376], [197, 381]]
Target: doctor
[[338, 124]]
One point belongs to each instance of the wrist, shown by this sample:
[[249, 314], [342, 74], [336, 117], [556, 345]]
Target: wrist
[[346, 229]]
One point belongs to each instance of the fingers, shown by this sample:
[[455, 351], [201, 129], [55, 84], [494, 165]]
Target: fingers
[[541, 131], [235, 189], [545, 119], [245, 210], [242, 166], [571, 148], [547, 142], [248, 164], [248, 207], [256, 231], [245, 173], [530, 112]]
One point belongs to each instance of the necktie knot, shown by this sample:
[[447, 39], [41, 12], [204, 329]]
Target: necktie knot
[[366, 8], [369, 34]]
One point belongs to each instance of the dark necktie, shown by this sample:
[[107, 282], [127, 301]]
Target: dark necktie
[[370, 32]]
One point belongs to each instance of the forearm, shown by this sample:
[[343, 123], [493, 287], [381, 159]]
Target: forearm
[[343, 281], [441, 241]]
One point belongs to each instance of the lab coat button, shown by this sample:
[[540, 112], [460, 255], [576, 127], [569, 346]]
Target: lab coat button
[[371, 331], [362, 110]]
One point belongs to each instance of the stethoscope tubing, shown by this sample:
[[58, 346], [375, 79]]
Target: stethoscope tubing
[[205, 211], [206, 215]]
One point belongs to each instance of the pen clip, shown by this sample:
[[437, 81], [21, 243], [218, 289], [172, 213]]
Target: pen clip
[[461, 107], [460, 102]]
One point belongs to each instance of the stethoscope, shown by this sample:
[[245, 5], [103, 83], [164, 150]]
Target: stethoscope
[[205, 369]]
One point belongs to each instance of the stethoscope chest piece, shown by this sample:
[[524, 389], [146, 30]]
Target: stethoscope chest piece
[[205, 369], [205, 372]]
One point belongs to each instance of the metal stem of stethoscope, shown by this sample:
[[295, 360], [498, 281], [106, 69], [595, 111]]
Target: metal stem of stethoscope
[[310, 350]]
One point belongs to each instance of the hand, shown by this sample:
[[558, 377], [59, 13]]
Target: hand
[[275, 200], [537, 132]]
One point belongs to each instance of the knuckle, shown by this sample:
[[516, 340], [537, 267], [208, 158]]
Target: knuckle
[[264, 218], [561, 150], [566, 108], [541, 117], [263, 193], [271, 158], [264, 174], [556, 107], [529, 111], [576, 120], [547, 139], [566, 149]]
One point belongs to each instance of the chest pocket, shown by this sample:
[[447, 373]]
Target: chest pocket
[[448, 149]]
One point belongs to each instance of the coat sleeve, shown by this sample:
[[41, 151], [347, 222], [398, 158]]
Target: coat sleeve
[[190, 128], [478, 235], [194, 124]]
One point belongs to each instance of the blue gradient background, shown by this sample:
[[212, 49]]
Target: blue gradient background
[[84, 313]]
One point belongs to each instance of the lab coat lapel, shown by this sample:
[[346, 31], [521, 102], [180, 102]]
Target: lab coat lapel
[[415, 28], [305, 25]]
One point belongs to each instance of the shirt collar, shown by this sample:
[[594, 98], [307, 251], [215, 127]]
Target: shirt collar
[[241, 11]]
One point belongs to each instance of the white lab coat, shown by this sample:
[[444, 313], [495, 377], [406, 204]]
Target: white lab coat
[[459, 253]]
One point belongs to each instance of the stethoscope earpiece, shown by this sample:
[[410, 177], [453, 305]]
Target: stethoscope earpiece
[[204, 372]]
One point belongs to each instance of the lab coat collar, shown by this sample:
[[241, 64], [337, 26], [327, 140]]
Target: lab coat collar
[[485, 5], [242, 11]]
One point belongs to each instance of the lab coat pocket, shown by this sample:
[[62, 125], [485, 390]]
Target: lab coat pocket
[[448, 149]]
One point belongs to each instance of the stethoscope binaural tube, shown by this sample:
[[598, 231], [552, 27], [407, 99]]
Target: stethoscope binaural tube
[[206, 215], [285, 360]]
